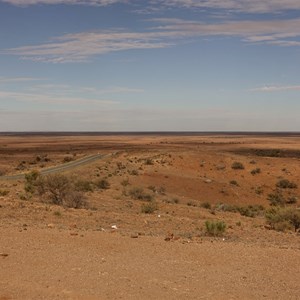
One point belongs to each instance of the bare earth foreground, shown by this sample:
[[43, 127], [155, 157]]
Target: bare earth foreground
[[112, 249]]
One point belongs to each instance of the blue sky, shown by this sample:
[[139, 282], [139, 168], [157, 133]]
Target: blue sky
[[117, 65]]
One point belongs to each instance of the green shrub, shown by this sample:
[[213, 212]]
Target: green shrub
[[149, 208], [283, 218], [31, 181], [215, 228]]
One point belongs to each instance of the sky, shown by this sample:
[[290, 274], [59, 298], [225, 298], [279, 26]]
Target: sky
[[132, 65]]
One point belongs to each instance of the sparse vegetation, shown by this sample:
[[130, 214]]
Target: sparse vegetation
[[247, 211], [215, 228], [102, 184], [149, 161], [149, 208], [57, 189], [237, 166], [286, 184], [138, 193], [282, 219], [205, 205], [125, 182], [255, 171], [233, 182], [83, 186], [4, 192]]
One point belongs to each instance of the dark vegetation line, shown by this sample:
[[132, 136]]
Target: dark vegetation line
[[148, 133]]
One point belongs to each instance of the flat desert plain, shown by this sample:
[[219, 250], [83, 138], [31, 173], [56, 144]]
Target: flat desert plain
[[152, 216]]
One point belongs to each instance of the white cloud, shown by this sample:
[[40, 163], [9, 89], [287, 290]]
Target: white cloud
[[70, 2], [277, 88], [80, 47]]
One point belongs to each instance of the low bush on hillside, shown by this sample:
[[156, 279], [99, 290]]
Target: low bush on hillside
[[286, 184], [233, 182], [56, 189], [282, 219], [237, 166], [102, 184], [149, 208], [138, 193], [83, 185], [205, 205], [250, 211], [215, 228], [255, 171], [277, 199], [4, 192]]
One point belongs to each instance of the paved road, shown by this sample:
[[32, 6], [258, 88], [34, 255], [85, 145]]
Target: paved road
[[60, 168]]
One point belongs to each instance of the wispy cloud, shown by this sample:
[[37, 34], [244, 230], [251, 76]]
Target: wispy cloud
[[80, 47], [277, 88], [69, 2], [51, 99], [18, 79], [250, 6], [51, 94]]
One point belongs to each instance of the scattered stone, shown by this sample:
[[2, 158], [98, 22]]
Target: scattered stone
[[3, 254], [134, 235], [114, 227], [73, 233], [50, 225], [207, 180]]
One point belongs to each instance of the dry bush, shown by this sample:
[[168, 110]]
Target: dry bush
[[149, 208], [237, 166], [75, 199], [139, 194], [283, 218], [83, 185], [56, 189], [286, 184], [102, 184]]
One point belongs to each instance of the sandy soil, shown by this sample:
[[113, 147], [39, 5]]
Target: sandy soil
[[53, 252]]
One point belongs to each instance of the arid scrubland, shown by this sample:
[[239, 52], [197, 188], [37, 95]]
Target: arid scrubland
[[192, 191]]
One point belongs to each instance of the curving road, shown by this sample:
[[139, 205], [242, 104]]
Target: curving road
[[60, 168]]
